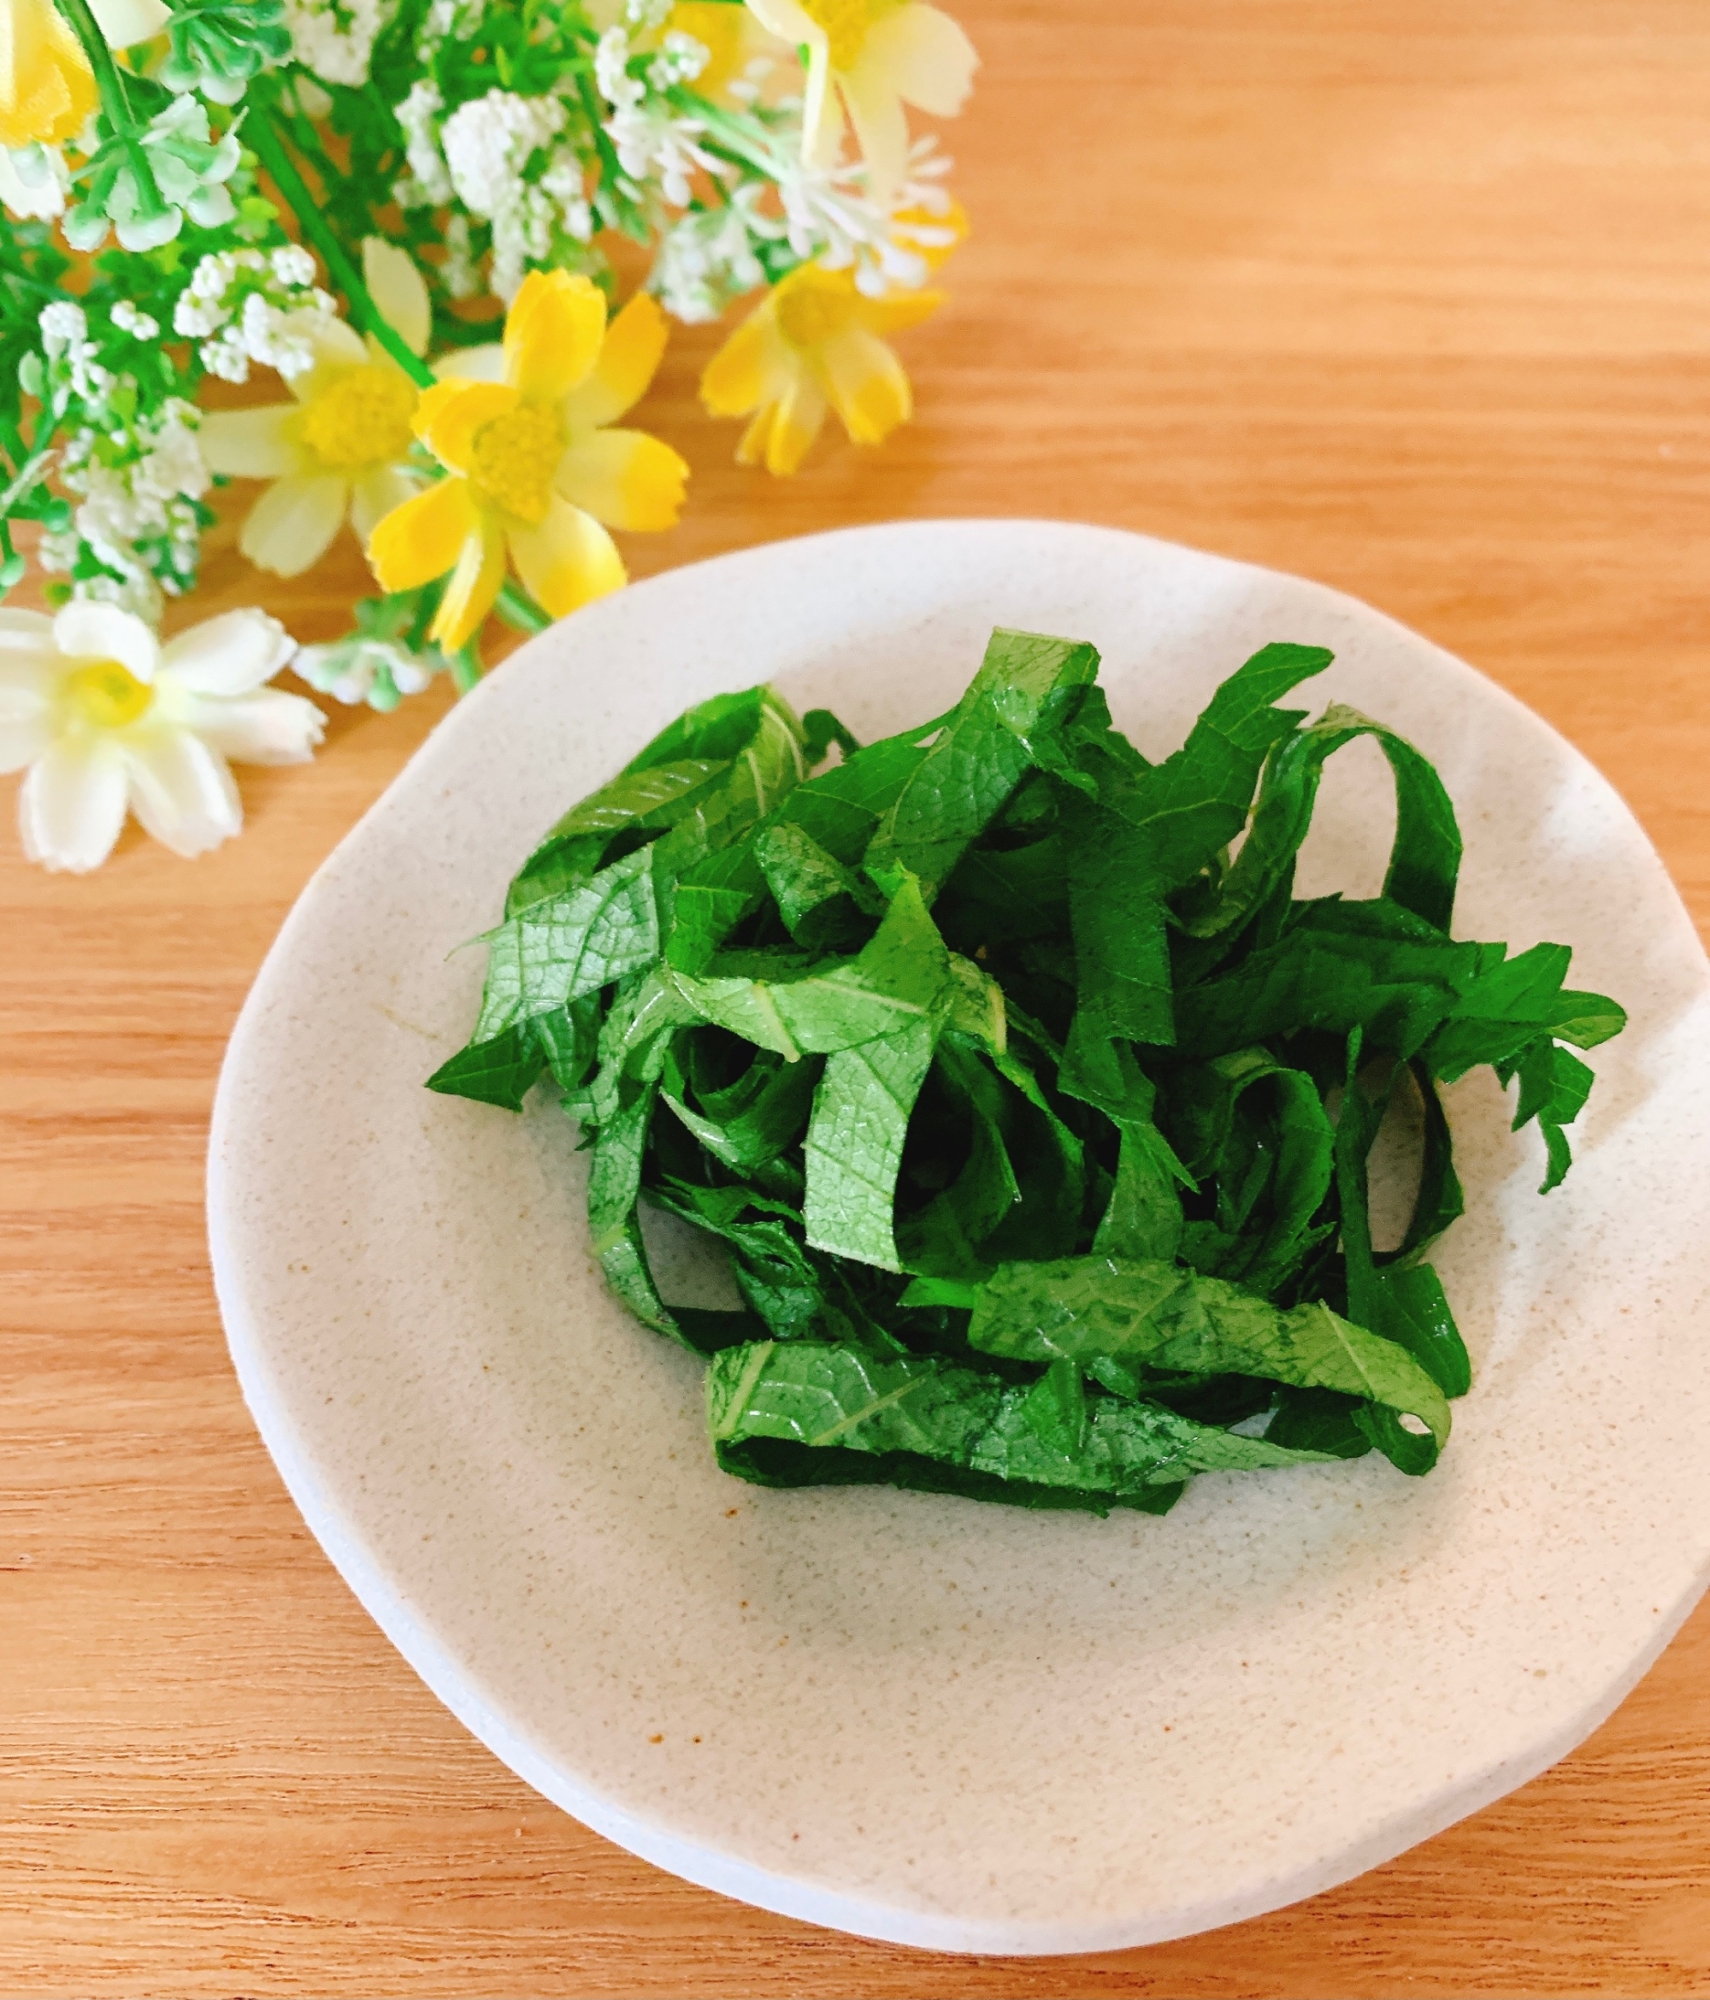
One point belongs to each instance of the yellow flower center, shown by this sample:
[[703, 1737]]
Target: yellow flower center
[[846, 24], [108, 694], [514, 459], [813, 305], [361, 419]]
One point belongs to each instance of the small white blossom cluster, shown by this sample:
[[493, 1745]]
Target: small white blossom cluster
[[650, 138], [139, 325], [335, 38], [72, 368], [135, 489], [711, 256], [366, 668], [483, 157], [245, 306]]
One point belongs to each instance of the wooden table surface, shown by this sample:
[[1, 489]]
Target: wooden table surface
[[1411, 298]]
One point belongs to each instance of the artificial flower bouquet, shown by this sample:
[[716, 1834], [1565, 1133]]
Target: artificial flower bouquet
[[406, 211]]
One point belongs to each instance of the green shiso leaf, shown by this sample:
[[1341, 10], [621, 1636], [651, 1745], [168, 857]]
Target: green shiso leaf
[[1034, 1126]]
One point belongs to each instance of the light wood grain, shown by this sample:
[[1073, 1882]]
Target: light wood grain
[[1411, 298]]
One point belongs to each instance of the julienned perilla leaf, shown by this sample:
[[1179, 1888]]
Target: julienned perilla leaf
[[1034, 1125]]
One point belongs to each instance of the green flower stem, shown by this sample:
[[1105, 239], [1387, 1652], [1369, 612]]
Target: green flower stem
[[263, 139], [518, 609], [465, 667], [115, 99]]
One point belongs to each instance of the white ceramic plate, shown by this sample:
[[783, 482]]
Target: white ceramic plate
[[910, 1716]]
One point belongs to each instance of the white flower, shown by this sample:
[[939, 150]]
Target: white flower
[[139, 325], [335, 38], [256, 308], [146, 498], [488, 142], [366, 668], [34, 182], [106, 719], [427, 184]]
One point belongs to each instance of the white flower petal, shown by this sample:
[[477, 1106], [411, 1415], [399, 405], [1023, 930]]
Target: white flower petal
[[291, 525], [251, 444], [126, 21], [375, 494], [38, 201], [225, 656], [268, 727], [927, 56], [26, 710], [72, 804], [822, 114], [27, 631], [788, 19], [87, 629], [881, 129], [397, 287], [472, 364], [23, 738], [180, 789]]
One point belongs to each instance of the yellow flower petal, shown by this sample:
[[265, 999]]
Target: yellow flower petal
[[553, 333], [46, 90], [927, 56], [867, 385], [897, 311], [758, 435], [251, 444], [624, 478], [795, 425], [424, 537], [290, 527], [628, 357], [568, 560], [472, 364], [751, 366], [929, 233], [450, 413], [475, 581]]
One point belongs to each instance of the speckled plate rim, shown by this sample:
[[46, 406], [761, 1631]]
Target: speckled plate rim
[[387, 1601]]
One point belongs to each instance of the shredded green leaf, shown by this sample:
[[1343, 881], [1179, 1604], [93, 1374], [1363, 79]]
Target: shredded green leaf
[[1035, 1127]]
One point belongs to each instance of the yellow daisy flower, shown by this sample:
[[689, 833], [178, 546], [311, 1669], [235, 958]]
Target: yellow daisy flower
[[813, 344], [46, 90], [533, 468], [341, 448], [870, 58]]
